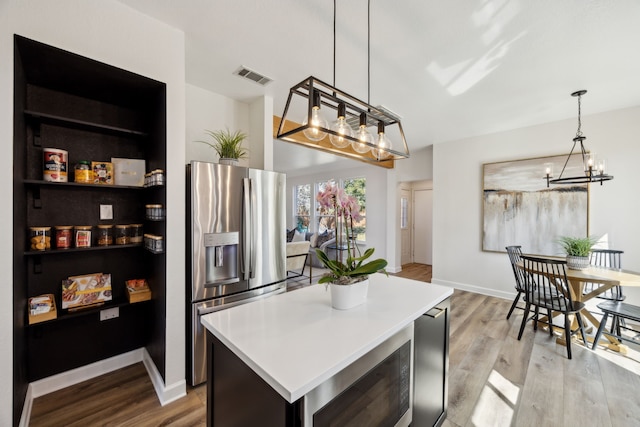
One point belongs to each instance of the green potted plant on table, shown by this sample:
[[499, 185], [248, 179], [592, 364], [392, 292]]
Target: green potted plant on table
[[228, 145], [348, 281], [577, 250]]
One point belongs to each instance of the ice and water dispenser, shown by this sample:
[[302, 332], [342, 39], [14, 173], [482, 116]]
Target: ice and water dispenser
[[221, 258]]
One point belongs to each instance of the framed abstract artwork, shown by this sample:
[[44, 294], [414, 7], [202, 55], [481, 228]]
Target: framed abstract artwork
[[519, 209]]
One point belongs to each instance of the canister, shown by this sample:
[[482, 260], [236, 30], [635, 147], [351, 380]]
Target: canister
[[83, 172], [105, 235], [40, 238], [122, 234], [64, 236], [154, 212], [54, 164], [83, 236], [135, 233]]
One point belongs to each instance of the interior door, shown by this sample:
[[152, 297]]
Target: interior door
[[405, 227], [422, 209]]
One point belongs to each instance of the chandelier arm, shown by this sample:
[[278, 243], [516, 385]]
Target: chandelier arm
[[567, 161]]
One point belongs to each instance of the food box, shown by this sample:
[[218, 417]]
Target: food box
[[102, 172], [138, 290], [128, 171], [42, 308], [87, 290]]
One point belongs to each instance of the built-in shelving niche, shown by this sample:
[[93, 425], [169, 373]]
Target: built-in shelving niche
[[95, 112]]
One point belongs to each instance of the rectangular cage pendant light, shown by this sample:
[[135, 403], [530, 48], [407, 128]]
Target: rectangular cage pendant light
[[319, 116]]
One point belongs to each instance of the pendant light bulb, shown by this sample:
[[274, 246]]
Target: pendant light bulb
[[383, 144], [342, 128], [317, 121], [363, 136]]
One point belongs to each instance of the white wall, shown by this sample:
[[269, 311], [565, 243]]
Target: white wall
[[458, 259], [206, 110], [110, 32]]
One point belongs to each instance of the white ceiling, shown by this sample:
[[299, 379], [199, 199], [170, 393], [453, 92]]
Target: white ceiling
[[451, 69]]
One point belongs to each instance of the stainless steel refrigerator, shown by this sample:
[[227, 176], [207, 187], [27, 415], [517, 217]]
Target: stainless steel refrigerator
[[236, 237]]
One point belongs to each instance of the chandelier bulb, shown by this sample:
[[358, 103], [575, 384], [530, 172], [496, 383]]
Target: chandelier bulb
[[363, 136], [383, 144], [342, 128], [317, 121]]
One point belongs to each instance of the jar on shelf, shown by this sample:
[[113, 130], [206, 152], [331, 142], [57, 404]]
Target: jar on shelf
[[83, 236], [64, 236], [154, 212], [122, 234], [135, 233], [154, 243], [40, 238], [83, 172], [157, 177], [105, 235]]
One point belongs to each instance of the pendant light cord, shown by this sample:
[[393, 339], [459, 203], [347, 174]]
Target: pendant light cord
[[368, 52], [579, 131], [334, 43]]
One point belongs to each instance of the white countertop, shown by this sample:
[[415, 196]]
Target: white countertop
[[296, 341]]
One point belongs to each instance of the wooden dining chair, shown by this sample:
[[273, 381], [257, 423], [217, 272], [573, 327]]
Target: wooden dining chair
[[547, 288], [515, 252], [609, 258]]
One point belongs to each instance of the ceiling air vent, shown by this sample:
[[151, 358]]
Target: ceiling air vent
[[252, 75]]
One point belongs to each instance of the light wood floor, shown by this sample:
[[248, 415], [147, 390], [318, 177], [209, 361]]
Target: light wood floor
[[494, 380]]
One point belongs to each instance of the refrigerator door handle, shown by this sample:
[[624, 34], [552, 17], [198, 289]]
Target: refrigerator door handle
[[252, 235], [246, 228]]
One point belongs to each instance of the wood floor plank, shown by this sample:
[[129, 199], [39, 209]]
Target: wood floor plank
[[541, 402], [469, 377], [584, 396], [621, 385]]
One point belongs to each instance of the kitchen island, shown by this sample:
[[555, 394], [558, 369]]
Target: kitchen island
[[267, 358]]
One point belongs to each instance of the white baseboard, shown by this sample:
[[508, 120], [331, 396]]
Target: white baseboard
[[25, 417], [475, 289], [166, 394], [66, 379], [83, 373]]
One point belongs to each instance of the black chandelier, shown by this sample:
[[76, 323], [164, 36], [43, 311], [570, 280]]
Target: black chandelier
[[349, 135], [594, 171]]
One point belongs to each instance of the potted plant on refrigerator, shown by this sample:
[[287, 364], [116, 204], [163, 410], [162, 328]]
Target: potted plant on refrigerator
[[577, 250], [228, 145], [349, 281]]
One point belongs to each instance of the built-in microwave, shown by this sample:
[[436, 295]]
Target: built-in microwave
[[375, 390]]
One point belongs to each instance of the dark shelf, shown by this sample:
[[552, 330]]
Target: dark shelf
[[77, 184], [76, 250], [80, 124], [66, 314]]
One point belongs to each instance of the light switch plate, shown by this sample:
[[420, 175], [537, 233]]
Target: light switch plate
[[106, 212], [109, 313]]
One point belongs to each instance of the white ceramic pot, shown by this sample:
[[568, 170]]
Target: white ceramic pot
[[577, 262], [344, 297], [226, 161]]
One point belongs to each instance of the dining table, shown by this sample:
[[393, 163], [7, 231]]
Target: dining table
[[605, 278]]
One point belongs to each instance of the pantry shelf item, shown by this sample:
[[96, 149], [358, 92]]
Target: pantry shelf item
[[42, 308]]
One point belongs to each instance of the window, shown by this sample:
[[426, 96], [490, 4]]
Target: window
[[302, 206], [357, 187], [325, 218]]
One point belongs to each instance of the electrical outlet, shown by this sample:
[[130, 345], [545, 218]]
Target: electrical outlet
[[106, 212], [109, 313]]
